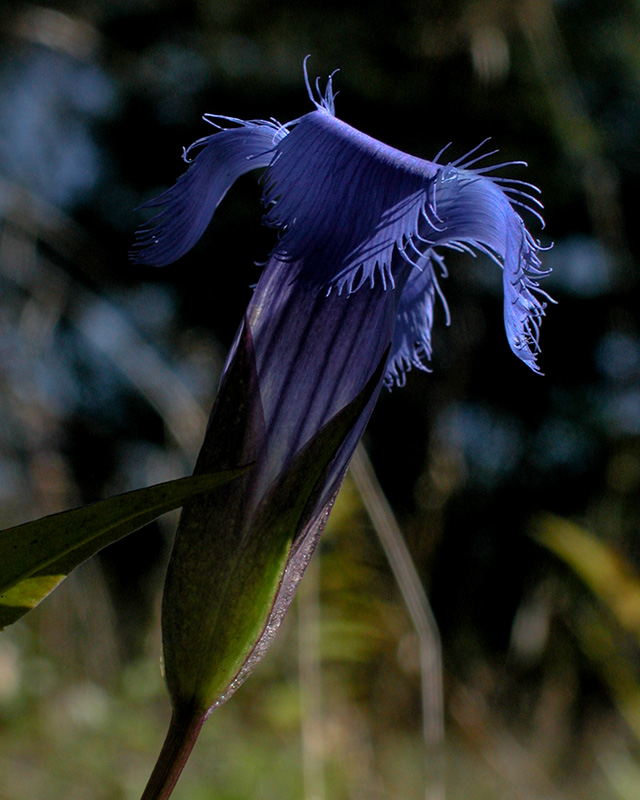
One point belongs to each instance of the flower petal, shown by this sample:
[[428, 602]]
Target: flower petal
[[474, 212], [335, 190], [187, 207], [412, 336], [314, 352]]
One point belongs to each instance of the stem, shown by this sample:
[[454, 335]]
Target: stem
[[182, 734], [417, 603]]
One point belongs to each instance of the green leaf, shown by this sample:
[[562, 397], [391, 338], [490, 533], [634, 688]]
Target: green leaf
[[36, 556]]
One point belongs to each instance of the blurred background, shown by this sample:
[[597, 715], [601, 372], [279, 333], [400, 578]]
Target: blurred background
[[518, 495]]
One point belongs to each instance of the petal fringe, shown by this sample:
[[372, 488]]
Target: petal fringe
[[411, 345], [476, 213], [188, 206]]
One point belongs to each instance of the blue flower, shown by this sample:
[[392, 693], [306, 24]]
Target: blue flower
[[353, 211], [344, 305]]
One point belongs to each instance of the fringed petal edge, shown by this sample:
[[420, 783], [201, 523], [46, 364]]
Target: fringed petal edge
[[188, 206]]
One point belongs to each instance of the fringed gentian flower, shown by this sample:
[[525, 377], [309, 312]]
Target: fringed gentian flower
[[344, 305]]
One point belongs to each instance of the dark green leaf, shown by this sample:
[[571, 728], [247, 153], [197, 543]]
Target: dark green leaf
[[36, 556]]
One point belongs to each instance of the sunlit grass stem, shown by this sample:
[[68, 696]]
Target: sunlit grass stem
[[417, 603]]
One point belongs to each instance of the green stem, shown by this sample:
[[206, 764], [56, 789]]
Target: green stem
[[182, 734]]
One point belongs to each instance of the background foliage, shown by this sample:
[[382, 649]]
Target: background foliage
[[518, 494]]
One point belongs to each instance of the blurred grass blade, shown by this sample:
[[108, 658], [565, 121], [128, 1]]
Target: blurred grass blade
[[36, 556], [616, 587], [611, 579]]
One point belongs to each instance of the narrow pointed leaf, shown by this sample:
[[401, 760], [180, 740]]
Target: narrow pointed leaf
[[36, 556]]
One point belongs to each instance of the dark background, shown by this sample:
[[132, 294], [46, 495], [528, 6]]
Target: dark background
[[108, 370]]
